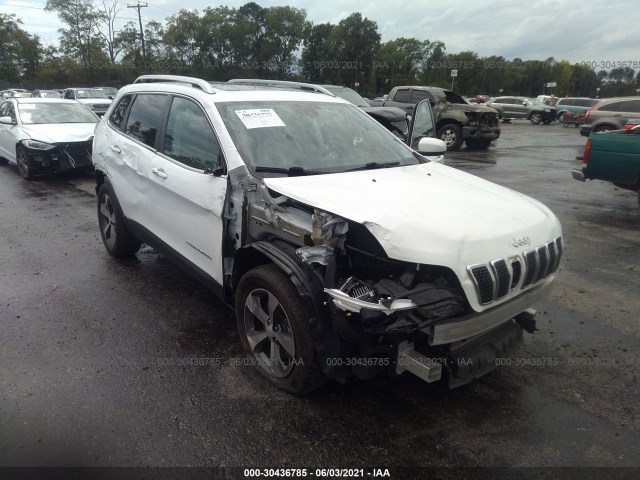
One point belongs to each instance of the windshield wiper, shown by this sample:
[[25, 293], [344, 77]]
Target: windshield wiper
[[373, 166], [290, 172]]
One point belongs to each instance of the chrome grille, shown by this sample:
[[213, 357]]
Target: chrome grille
[[484, 283], [502, 276], [496, 279]]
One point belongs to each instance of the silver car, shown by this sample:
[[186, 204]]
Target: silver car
[[522, 107]]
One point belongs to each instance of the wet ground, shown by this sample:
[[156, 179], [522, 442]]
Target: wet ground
[[93, 350]]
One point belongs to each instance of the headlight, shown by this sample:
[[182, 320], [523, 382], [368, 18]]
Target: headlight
[[36, 145]]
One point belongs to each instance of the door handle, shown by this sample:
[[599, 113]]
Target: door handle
[[159, 172], [115, 148]]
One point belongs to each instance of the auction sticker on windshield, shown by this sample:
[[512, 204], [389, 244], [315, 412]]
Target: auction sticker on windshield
[[260, 118]]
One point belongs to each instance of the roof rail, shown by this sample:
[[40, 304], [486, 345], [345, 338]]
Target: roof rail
[[194, 82], [284, 83]]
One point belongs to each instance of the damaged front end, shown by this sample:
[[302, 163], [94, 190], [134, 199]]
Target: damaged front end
[[371, 315], [47, 158]]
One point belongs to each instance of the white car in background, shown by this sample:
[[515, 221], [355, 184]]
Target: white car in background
[[46, 135], [93, 98]]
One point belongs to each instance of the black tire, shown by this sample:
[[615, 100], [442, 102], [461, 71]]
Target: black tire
[[535, 118], [506, 120], [451, 135], [603, 128], [24, 163], [478, 144], [3, 161], [288, 358], [117, 238], [639, 198]]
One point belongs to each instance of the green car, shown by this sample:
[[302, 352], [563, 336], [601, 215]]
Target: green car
[[614, 157]]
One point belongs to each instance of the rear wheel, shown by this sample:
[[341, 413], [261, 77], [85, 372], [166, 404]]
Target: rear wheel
[[603, 128], [272, 323], [25, 165], [451, 135], [117, 238]]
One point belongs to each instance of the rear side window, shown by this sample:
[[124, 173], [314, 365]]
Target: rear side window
[[145, 117], [402, 96], [418, 95], [585, 102], [117, 116], [610, 107], [629, 106]]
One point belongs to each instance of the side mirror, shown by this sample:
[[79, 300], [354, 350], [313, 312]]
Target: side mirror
[[431, 146], [7, 121], [525, 103]]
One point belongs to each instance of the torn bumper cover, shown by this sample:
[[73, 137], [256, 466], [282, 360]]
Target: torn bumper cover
[[62, 157]]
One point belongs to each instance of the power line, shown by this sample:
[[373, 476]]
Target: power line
[[144, 52]]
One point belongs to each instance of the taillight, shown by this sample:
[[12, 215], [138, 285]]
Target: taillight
[[586, 117], [629, 126], [587, 149]]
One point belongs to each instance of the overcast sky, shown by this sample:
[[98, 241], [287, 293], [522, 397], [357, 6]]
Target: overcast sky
[[528, 29]]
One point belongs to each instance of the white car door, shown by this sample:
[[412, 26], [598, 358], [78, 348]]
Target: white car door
[[128, 148], [188, 188], [8, 133]]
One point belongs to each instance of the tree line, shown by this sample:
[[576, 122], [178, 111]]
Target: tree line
[[276, 42]]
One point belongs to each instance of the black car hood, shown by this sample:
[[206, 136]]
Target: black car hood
[[390, 114]]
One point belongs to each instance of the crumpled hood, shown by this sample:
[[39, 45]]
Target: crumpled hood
[[475, 108], [430, 213], [60, 132]]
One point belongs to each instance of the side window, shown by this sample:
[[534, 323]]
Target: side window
[[402, 96], [7, 110], [612, 107], [629, 106], [145, 117], [69, 94], [417, 95], [189, 138], [117, 116]]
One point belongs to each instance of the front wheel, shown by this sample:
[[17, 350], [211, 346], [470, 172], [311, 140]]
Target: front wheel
[[117, 238], [535, 118], [25, 165], [451, 135], [273, 325]]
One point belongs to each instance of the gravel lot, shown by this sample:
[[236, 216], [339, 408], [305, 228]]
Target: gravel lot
[[91, 349]]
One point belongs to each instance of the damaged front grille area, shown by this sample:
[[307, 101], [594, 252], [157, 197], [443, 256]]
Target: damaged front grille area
[[396, 305], [489, 119], [495, 280]]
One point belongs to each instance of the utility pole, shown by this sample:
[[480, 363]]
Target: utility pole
[[144, 52]]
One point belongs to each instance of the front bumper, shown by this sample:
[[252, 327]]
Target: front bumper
[[474, 324], [585, 130], [65, 157], [480, 133]]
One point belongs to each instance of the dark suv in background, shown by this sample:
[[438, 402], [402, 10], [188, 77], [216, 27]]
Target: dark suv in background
[[611, 114]]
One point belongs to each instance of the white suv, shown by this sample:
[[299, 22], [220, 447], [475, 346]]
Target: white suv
[[343, 252]]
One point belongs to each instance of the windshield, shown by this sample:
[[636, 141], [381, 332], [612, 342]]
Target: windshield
[[38, 113], [349, 95], [311, 137], [90, 94], [22, 94]]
